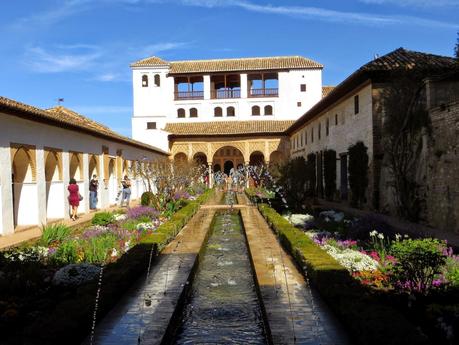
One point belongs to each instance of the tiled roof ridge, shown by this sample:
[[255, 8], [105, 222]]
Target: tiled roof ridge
[[94, 127], [244, 58]]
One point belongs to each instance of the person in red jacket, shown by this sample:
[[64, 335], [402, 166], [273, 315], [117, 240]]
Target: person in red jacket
[[74, 198]]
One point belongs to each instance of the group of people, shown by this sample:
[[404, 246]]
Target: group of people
[[75, 197], [234, 181]]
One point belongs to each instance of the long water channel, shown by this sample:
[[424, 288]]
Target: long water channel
[[223, 306]]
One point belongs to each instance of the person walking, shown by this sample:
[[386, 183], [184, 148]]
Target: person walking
[[74, 198], [126, 183], [93, 187]]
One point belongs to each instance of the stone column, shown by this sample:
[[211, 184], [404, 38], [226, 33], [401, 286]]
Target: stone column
[[86, 178], [41, 185], [66, 178], [6, 190], [207, 87], [244, 85], [247, 174], [211, 180]]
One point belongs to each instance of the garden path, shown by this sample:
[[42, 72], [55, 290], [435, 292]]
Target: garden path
[[295, 312]]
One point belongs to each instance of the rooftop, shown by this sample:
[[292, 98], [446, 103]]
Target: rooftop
[[62, 117], [399, 60], [228, 128], [227, 65]]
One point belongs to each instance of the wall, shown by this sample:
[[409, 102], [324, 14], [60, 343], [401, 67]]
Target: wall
[[442, 169], [33, 206], [349, 129], [157, 104]]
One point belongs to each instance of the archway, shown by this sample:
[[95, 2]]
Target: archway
[[54, 186], [228, 166], [75, 167], [226, 156], [217, 168], [25, 203], [200, 158], [93, 166], [257, 158], [180, 158]]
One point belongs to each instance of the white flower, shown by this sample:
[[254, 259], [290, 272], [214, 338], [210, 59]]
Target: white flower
[[373, 233], [351, 259], [114, 253], [120, 217], [127, 246], [381, 236], [398, 237]]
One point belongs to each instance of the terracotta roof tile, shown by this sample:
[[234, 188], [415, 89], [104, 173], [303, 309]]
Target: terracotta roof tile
[[228, 127], [223, 65], [64, 117], [326, 90]]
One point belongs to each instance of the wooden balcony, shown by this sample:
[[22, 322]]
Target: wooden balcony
[[217, 94], [186, 95], [274, 92]]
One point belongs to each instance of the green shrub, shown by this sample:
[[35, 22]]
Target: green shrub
[[147, 199], [330, 173], [103, 218], [418, 261], [67, 253], [54, 233], [358, 172], [96, 249]]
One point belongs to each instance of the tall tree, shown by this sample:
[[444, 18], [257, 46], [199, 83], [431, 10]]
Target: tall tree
[[456, 48]]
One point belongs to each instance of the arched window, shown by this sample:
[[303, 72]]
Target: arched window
[[255, 110], [268, 110], [218, 112], [230, 111], [181, 112], [193, 112], [157, 80], [144, 80]]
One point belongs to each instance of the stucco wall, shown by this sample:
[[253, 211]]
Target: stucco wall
[[40, 201], [345, 129]]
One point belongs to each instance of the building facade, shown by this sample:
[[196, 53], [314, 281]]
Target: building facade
[[40, 150], [200, 91]]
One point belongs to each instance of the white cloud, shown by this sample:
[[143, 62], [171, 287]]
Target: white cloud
[[152, 49], [416, 3], [322, 14], [61, 59]]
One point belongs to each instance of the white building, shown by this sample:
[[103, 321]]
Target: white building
[[40, 150], [272, 88]]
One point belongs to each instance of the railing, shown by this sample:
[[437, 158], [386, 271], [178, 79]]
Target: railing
[[273, 92], [181, 95], [226, 93]]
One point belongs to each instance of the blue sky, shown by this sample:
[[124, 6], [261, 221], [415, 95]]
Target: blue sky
[[80, 50]]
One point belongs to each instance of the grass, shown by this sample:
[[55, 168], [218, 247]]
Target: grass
[[55, 233]]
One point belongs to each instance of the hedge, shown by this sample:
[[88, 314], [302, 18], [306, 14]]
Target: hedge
[[70, 318], [367, 316]]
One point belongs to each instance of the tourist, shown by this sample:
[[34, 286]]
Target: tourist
[[126, 183], [74, 198], [93, 186]]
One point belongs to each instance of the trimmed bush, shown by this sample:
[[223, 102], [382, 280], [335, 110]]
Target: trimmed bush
[[367, 316], [330, 173], [358, 172]]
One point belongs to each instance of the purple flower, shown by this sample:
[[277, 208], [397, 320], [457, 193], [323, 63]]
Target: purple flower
[[140, 211]]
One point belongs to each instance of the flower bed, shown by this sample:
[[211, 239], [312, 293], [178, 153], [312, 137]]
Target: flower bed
[[365, 313], [35, 309]]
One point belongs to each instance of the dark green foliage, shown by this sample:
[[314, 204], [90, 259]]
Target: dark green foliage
[[54, 233], [358, 172], [293, 180], [366, 315], [330, 173], [311, 175], [66, 253], [103, 218], [456, 48], [147, 199], [96, 249], [418, 261]]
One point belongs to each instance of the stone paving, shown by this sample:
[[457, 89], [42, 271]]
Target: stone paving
[[146, 310], [295, 313]]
